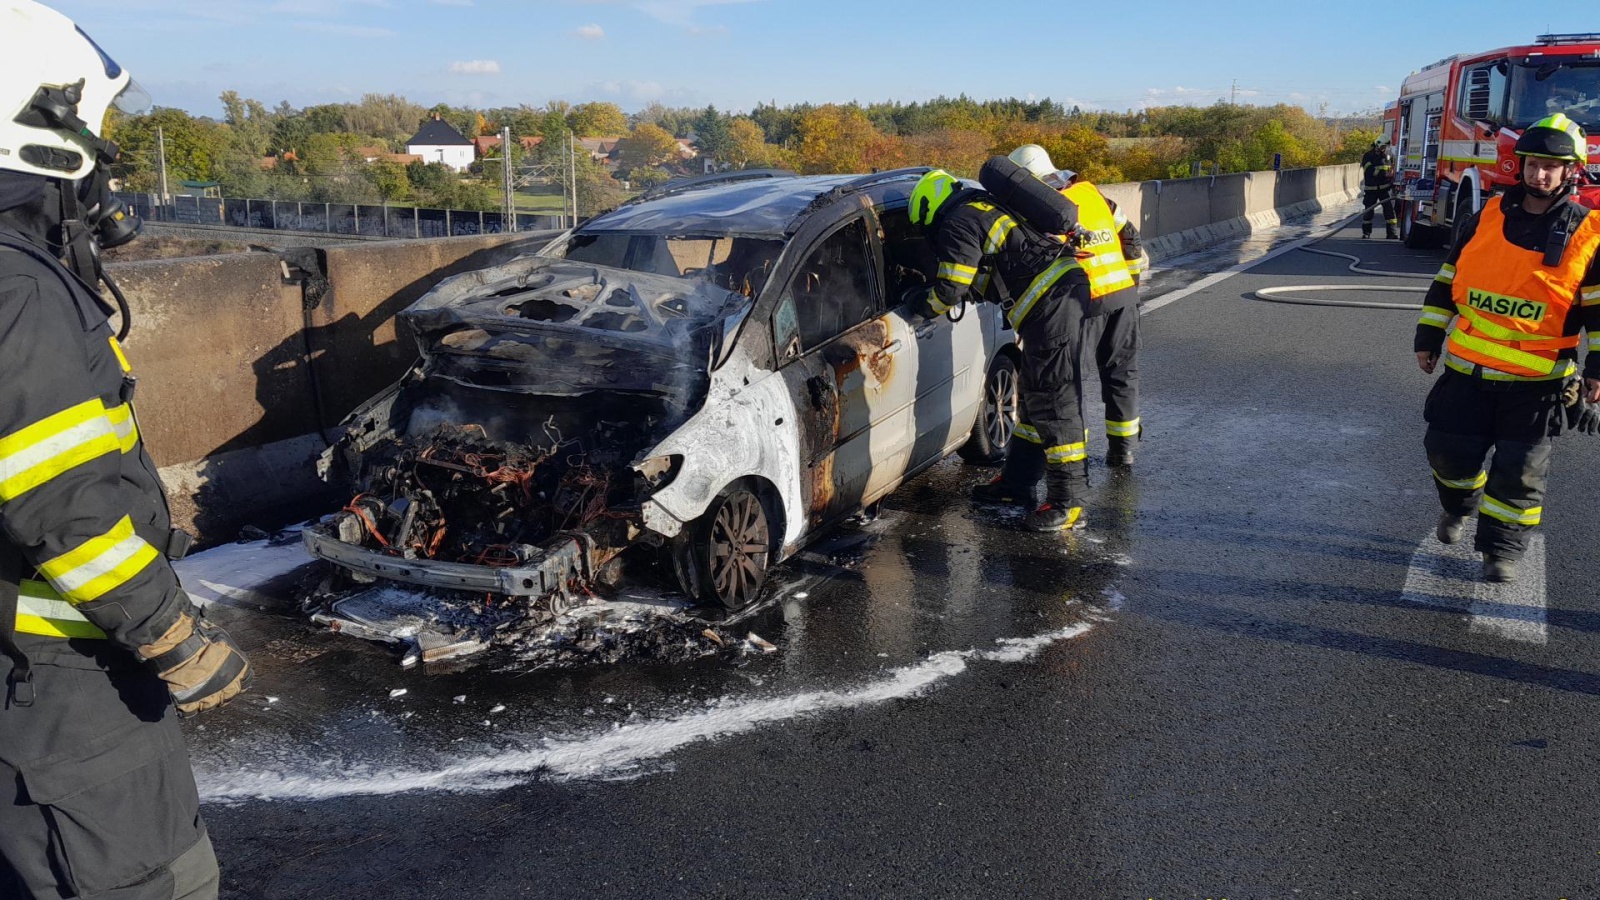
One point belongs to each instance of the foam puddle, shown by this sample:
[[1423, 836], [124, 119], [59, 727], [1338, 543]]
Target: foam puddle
[[623, 752]]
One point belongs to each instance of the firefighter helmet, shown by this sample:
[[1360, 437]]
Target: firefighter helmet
[[1555, 137], [1035, 159], [55, 87], [932, 190]]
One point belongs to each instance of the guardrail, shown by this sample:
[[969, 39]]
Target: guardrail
[[332, 218]]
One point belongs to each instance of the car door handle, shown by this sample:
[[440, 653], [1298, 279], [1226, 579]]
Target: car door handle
[[888, 348]]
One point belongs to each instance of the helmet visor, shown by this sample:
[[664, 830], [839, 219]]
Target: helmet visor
[[132, 100]]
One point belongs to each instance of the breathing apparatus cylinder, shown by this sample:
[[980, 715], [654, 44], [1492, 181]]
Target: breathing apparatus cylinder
[[1025, 195]]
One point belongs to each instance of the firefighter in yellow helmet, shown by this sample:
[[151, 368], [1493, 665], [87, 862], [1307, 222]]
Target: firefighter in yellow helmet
[[1108, 246], [1506, 315], [100, 648], [986, 252]]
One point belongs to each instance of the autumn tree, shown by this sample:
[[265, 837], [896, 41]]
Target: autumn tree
[[833, 138], [747, 147], [647, 146], [597, 120]]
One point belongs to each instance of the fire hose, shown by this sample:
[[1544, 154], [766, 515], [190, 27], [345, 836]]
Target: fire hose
[[1293, 293]]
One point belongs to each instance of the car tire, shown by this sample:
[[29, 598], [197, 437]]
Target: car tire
[[726, 552], [1422, 237], [997, 413], [1463, 211]]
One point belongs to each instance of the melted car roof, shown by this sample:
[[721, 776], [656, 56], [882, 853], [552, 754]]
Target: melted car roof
[[759, 207]]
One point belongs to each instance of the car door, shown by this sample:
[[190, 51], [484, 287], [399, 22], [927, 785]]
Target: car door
[[842, 360], [947, 356]]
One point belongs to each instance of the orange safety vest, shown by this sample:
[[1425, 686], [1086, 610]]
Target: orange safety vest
[[1512, 307], [1100, 252]]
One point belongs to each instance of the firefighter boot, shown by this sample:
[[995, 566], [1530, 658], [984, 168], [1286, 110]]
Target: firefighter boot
[[1449, 528], [1059, 511], [1023, 468], [1499, 569], [1119, 453], [1391, 234]]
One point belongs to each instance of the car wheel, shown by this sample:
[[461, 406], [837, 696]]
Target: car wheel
[[997, 415], [728, 550], [1462, 213], [1414, 236]]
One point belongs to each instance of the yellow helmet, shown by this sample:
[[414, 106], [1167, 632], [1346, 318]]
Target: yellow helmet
[[1555, 137], [932, 190]]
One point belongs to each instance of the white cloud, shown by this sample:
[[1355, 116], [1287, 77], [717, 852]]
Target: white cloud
[[475, 67], [590, 32]]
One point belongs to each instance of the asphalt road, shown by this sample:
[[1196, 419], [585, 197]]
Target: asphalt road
[[1255, 675]]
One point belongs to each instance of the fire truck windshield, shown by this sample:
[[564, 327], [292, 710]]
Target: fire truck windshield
[[1539, 89]]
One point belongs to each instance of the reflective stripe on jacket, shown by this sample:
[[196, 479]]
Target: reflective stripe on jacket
[[1099, 251], [1512, 308], [81, 504]]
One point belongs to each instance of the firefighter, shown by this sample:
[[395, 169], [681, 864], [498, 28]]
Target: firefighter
[[98, 643], [985, 252], [1521, 283], [1377, 186], [1109, 248]]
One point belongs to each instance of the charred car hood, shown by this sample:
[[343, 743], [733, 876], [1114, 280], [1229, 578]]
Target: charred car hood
[[552, 326]]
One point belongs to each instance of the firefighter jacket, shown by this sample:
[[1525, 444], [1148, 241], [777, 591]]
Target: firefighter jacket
[[1518, 310], [1376, 175], [1106, 245], [84, 524], [973, 239]]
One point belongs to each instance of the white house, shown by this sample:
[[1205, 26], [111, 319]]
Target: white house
[[438, 142]]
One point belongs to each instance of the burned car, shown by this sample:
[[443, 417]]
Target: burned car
[[705, 377]]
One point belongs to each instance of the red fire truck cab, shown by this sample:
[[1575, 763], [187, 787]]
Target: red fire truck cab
[[1454, 127]]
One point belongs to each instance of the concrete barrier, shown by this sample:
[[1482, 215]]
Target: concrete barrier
[[246, 361], [1187, 214]]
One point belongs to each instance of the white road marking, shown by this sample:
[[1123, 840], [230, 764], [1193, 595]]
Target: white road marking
[[623, 752], [1450, 576], [1149, 306]]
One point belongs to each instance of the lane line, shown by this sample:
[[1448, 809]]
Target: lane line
[[1149, 306], [1449, 576]]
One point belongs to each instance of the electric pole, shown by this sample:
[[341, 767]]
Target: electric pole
[[572, 174], [1233, 95], [505, 179], [161, 155]]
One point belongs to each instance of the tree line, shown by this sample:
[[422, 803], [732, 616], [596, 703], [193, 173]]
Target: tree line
[[339, 152]]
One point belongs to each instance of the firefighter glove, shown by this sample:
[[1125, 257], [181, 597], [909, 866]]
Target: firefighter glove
[[200, 663], [1583, 417]]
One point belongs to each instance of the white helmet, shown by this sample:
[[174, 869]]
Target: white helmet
[[1033, 158], [55, 87]]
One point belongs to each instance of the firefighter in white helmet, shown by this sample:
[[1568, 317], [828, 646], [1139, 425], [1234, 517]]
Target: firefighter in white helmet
[[1112, 254], [100, 648]]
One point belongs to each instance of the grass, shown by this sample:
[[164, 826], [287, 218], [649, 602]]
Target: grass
[[549, 204]]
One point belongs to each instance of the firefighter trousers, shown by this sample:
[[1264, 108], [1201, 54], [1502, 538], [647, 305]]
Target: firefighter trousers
[[1468, 419], [1049, 438], [1113, 338], [1370, 199], [97, 799]]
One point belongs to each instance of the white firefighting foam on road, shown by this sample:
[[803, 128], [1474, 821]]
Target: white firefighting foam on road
[[626, 751]]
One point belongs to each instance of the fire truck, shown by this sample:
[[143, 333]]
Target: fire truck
[[1454, 127]]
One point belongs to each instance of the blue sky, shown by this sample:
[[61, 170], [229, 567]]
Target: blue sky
[[737, 53]]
